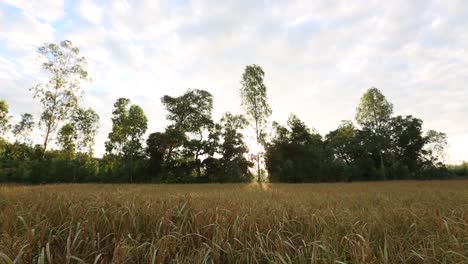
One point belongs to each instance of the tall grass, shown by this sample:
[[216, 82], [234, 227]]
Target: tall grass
[[392, 222]]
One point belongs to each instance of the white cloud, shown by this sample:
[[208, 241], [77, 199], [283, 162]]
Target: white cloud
[[23, 32], [457, 148], [49, 10], [319, 56], [90, 11], [8, 69]]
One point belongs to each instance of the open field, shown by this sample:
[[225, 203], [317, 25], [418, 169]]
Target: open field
[[391, 222]]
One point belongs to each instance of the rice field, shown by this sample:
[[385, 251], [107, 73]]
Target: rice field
[[385, 222]]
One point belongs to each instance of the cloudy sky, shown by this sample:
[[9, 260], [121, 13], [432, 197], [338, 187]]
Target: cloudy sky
[[319, 56]]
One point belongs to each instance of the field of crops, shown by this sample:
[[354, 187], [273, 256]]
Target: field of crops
[[391, 222]]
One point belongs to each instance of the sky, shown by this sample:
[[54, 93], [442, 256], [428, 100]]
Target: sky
[[318, 56]]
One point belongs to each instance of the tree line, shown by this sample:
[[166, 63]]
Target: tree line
[[194, 148]]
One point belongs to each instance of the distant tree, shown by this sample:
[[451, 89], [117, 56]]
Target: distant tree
[[460, 170], [342, 142], [436, 145], [300, 133], [85, 123], [76, 139], [66, 139], [296, 154], [20, 151], [234, 149], [229, 145], [255, 103], [407, 142], [190, 111], [190, 114], [374, 113], [80, 132], [4, 118], [129, 124], [59, 97], [160, 147], [156, 147], [352, 151], [24, 128]]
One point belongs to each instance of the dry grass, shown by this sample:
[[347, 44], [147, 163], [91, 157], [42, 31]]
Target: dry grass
[[393, 222]]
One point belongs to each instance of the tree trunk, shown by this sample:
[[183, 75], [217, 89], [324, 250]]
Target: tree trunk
[[258, 152], [75, 168], [44, 146], [49, 121], [198, 170], [198, 164], [131, 170], [382, 165], [259, 178]]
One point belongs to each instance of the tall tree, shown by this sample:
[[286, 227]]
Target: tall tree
[[374, 113], [66, 139], [255, 102], [59, 96], [407, 142], [24, 128], [129, 124], [190, 114], [86, 123], [436, 144], [80, 131], [4, 117], [352, 151], [160, 148], [296, 153], [342, 142], [228, 143], [156, 147], [190, 111]]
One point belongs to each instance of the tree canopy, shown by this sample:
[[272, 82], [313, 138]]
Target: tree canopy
[[256, 106], [59, 97], [196, 148]]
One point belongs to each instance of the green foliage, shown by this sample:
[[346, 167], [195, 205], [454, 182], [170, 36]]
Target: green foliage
[[353, 152], [66, 138], [129, 124], [195, 149], [4, 117], [255, 102], [343, 142], [24, 128], [374, 111], [296, 154], [59, 97], [459, 170], [229, 146], [192, 116], [76, 140], [85, 122], [436, 145], [189, 112], [254, 95], [373, 114], [191, 119], [407, 142]]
